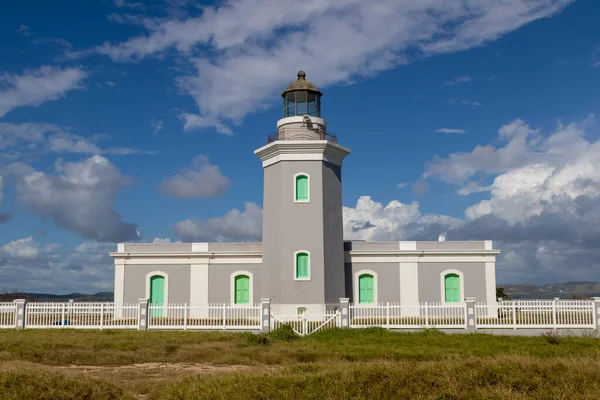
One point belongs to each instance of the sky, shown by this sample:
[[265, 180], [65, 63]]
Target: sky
[[137, 121]]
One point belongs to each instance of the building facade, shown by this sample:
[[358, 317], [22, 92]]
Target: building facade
[[303, 262]]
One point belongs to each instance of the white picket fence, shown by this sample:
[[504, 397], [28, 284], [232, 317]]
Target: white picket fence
[[520, 314], [396, 316], [209, 316]]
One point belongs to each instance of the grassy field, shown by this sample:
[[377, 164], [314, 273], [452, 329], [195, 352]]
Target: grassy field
[[336, 364]]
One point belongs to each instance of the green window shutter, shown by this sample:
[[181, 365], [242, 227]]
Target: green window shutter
[[452, 288], [302, 188], [366, 289], [242, 289], [157, 293], [302, 265]]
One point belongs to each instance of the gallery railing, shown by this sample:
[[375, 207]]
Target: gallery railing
[[302, 134]]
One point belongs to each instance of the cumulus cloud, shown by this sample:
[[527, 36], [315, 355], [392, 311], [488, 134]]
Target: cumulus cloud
[[157, 126], [80, 197], [243, 52], [201, 180], [3, 217], [23, 30], [35, 87], [236, 225], [30, 266]]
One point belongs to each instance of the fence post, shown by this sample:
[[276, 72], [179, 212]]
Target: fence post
[[143, 314], [265, 314], [224, 316], [387, 315], [185, 316], [20, 313], [554, 312], [426, 315], [514, 314], [470, 316], [345, 312], [101, 316], [596, 312]]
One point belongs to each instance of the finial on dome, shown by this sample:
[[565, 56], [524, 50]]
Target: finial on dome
[[301, 75]]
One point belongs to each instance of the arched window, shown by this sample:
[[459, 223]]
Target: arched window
[[302, 265], [301, 188], [366, 288], [242, 289], [157, 294], [452, 288]]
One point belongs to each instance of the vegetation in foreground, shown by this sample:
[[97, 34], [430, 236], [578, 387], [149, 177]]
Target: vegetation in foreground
[[336, 364]]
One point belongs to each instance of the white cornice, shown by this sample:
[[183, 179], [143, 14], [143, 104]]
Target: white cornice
[[302, 150]]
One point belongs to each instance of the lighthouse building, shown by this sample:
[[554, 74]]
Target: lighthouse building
[[304, 263]]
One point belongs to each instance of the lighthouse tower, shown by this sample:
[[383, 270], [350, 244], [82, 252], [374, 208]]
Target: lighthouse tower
[[303, 246]]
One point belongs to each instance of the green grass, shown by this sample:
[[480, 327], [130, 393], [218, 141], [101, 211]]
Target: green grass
[[331, 364]]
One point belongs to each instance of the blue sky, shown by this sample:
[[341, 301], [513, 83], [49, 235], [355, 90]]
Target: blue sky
[[123, 120]]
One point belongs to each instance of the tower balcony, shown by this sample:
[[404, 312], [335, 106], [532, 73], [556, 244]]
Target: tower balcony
[[285, 133]]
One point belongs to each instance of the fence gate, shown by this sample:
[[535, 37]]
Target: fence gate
[[305, 324]]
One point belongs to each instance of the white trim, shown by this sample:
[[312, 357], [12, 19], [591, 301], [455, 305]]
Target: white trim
[[295, 187], [426, 258], [490, 282], [488, 245], [119, 289], [408, 245], [375, 286], [121, 247], [302, 150], [199, 284], [232, 287], [166, 288], [300, 119], [461, 280], [409, 283], [199, 247], [294, 262]]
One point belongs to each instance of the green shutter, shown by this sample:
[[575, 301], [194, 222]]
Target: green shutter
[[452, 288], [366, 289], [302, 265], [157, 293], [302, 188], [242, 289]]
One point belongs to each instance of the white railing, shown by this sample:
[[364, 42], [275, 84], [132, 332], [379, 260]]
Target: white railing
[[209, 316], [81, 315], [7, 315], [536, 314], [396, 316]]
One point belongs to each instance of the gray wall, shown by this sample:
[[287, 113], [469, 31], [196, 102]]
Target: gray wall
[[135, 282], [333, 233], [219, 278], [388, 280], [430, 284], [288, 227]]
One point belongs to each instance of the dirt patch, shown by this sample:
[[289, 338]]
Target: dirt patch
[[150, 368]]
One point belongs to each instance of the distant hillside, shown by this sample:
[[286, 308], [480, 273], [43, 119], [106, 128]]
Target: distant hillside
[[566, 290], [101, 296]]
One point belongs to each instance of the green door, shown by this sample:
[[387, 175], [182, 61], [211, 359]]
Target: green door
[[242, 289], [302, 265], [157, 294], [366, 290], [452, 287]]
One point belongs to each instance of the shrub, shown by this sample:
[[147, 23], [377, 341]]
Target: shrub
[[284, 332]]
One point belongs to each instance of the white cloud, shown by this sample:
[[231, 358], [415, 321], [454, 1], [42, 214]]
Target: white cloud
[[472, 103], [29, 266], [402, 185], [236, 225], [41, 137], [35, 87], [157, 126], [127, 4], [202, 180], [244, 52], [111, 83], [23, 30], [459, 80], [3, 216], [450, 130], [595, 57], [161, 240], [80, 197]]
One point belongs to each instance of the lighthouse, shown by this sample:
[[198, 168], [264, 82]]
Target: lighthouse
[[303, 244]]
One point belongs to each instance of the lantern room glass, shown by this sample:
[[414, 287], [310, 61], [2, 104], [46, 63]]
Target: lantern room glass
[[302, 103]]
